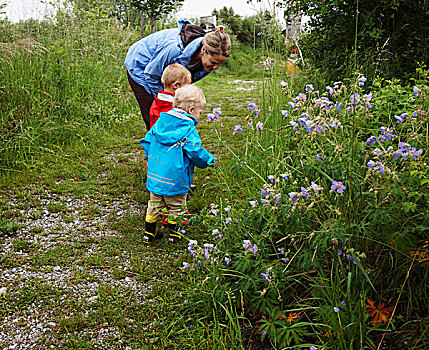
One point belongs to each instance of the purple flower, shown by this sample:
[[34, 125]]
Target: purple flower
[[291, 104], [336, 309], [259, 125], [185, 265], [264, 332], [284, 113], [277, 200], [294, 125], [284, 176], [252, 106], [340, 252], [343, 303], [255, 249], [302, 96], [313, 347], [228, 209], [211, 117], [309, 88], [238, 129], [371, 140], [416, 91], [338, 186], [247, 244], [319, 157], [302, 121], [253, 203], [308, 125], [330, 90], [361, 80], [416, 154], [216, 233], [294, 195], [265, 202], [305, 192], [398, 119], [282, 252], [271, 178], [338, 106], [265, 277], [227, 261], [355, 98], [380, 167], [316, 187], [217, 111], [333, 124]]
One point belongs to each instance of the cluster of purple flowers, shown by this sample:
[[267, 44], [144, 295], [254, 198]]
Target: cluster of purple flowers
[[208, 248], [192, 245], [376, 166], [305, 193], [406, 151], [249, 247], [350, 256], [217, 111], [355, 98], [386, 134]]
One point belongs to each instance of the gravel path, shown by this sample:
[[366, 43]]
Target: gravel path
[[51, 262]]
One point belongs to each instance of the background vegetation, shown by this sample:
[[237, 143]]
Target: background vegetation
[[319, 239]]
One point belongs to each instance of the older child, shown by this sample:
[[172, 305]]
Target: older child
[[173, 148], [173, 77]]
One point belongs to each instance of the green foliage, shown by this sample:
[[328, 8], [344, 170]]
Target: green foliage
[[390, 37], [333, 198], [60, 84], [157, 9]]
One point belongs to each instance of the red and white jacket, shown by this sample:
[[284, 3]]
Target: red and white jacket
[[163, 103]]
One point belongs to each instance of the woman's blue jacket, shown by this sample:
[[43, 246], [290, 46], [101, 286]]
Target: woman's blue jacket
[[147, 58], [173, 147]]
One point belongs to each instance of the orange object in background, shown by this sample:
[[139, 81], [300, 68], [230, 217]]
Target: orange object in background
[[291, 66]]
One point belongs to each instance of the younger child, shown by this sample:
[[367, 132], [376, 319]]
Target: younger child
[[172, 148], [173, 77]]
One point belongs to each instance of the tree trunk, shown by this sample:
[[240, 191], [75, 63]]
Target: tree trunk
[[142, 20], [152, 25]]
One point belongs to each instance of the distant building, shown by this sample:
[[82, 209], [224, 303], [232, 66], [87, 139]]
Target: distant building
[[293, 28], [208, 23]]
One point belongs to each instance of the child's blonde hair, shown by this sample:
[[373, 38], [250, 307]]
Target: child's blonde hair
[[175, 72], [218, 42], [189, 96]]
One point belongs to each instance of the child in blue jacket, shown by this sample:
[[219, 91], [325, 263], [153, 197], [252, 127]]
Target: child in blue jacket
[[172, 148]]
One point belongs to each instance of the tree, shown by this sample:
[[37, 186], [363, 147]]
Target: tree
[[155, 9], [389, 36]]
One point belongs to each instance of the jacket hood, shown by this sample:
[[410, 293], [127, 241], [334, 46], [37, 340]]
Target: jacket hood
[[173, 126]]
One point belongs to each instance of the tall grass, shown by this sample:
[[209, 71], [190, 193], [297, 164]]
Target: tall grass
[[62, 80]]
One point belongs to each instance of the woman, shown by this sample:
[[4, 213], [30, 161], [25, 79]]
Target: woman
[[188, 45]]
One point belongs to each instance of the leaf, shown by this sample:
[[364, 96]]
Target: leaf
[[379, 314]]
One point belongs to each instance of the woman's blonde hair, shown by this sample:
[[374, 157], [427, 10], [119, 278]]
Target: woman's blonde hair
[[189, 96], [175, 72], [218, 42]]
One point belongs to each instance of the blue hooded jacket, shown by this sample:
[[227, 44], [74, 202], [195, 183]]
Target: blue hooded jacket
[[147, 58], [173, 147]]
